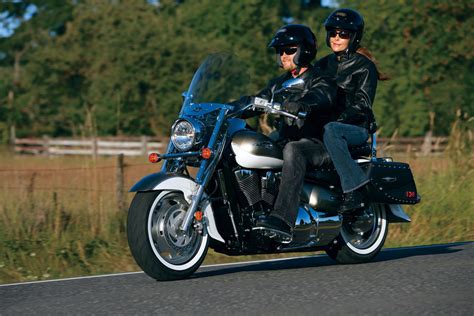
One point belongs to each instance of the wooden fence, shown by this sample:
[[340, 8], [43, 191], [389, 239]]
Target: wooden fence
[[93, 147], [419, 146], [142, 146]]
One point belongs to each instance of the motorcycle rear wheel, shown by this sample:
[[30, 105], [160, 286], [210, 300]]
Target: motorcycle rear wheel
[[159, 248], [362, 235]]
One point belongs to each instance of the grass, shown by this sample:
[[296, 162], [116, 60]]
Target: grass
[[59, 216], [446, 211]]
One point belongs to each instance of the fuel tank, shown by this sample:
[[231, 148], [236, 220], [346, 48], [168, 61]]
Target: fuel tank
[[256, 151]]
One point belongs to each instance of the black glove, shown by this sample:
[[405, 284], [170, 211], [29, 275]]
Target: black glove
[[293, 108], [351, 116]]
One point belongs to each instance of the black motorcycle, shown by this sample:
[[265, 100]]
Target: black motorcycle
[[175, 216]]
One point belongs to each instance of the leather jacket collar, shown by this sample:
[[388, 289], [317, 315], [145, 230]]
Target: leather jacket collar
[[305, 74], [344, 55]]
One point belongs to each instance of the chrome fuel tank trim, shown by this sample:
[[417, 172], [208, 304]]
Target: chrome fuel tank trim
[[256, 151]]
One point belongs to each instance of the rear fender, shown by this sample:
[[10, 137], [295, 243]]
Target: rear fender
[[396, 214], [171, 182]]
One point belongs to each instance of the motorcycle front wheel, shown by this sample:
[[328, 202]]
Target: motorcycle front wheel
[[362, 235], [158, 246]]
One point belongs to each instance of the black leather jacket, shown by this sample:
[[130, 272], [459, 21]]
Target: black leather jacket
[[356, 77], [317, 99]]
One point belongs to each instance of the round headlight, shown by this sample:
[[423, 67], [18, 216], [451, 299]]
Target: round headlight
[[182, 135]]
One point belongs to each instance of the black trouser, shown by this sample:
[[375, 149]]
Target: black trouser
[[297, 156]]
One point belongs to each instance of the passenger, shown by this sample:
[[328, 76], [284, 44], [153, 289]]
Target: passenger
[[357, 76]]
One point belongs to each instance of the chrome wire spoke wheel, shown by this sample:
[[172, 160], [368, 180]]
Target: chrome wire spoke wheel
[[169, 243], [157, 244], [362, 235], [363, 231]]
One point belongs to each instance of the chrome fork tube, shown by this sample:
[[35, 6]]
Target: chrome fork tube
[[212, 142], [205, 172], [195, 199], [192, 208]]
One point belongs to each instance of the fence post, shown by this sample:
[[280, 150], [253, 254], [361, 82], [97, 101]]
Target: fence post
[[95, 146], [427, 146], [144, 140], [120, 183], [12, 137], [46, 144]]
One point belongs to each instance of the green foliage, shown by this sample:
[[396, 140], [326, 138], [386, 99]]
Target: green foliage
[[119, 67], [423, 47]]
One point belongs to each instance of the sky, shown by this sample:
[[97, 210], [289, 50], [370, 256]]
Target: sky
[[9, 25]]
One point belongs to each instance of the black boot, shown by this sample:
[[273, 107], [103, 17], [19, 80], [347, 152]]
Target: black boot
[[275, 225], [352, 200]]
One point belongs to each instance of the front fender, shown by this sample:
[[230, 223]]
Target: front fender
[[149, 182], [163, 181]]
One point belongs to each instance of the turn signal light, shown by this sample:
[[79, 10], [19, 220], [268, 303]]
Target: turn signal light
[[198, 216], [206, 153], [154, 158]]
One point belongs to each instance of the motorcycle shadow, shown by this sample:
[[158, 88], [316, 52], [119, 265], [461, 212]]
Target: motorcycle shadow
[[323, 260]]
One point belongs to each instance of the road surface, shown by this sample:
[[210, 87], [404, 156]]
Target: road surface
[[425, 280]]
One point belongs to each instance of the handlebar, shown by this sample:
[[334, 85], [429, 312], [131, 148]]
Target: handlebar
[[275, 108]]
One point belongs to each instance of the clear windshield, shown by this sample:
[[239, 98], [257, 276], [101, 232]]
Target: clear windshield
[[221, 78]]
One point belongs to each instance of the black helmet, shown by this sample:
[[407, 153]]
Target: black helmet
[[346, 19], [300, 35]]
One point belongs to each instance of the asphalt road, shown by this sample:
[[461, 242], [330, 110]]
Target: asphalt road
[[405, 281]]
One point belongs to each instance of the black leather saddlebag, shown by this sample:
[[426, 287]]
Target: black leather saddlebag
[[391, 182]]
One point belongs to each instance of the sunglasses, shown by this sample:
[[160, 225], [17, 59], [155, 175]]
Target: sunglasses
[[342, 34], [286, 50]]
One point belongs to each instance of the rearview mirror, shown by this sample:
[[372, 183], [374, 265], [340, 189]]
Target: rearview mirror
[[293, 84]]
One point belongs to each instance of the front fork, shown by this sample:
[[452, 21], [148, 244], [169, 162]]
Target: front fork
[[206, 170]]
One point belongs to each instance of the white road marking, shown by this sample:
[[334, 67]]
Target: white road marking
[[70, 279], [227, 264]]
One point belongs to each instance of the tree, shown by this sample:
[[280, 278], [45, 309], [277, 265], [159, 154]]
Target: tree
[[119, 66], [38, 21], [421, 45]]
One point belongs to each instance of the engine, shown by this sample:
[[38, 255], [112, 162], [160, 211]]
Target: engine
[[317, 222], [255, 187]]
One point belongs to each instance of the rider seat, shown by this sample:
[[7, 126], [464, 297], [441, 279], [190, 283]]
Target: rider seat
[[326, 172]]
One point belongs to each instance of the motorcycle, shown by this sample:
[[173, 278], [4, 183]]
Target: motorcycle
[[176, 215]]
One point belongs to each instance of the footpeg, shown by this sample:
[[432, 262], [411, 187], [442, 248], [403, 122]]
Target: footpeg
[[277, 235]]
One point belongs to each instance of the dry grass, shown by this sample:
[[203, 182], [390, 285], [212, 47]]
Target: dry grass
[[59, 217], [446, 212]]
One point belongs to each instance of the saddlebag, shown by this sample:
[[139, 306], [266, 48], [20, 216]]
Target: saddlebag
[[391, 182]]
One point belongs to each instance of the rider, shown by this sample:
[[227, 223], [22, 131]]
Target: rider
[[296, 47], [356, 78]]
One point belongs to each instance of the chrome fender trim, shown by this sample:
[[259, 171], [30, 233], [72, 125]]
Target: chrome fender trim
[[398, 214], [189, 187]]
